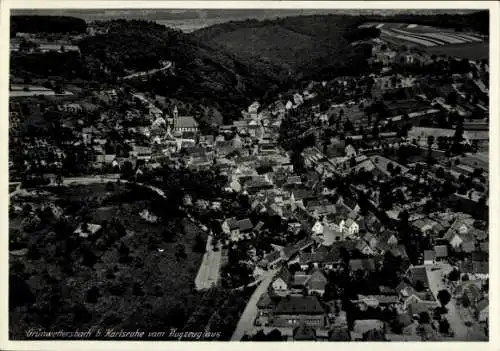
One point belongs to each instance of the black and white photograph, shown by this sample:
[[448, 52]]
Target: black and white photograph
[[266, 174]]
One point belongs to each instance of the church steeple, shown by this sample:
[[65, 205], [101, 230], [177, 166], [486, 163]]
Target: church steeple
[[175, 112]]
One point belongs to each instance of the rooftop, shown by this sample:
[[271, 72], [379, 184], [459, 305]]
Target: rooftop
[[299, 305]]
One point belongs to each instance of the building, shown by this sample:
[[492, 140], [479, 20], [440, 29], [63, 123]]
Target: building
[[429, 257], [291, 311], [482, 310], [281, 284], [184, 123]]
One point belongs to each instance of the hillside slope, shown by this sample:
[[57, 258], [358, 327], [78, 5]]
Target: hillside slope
[[203, 73], [305, 46]]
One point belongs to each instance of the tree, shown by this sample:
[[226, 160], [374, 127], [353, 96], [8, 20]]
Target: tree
[[419, 285], [390, 167], [93, 294], [424, 318], [199, 244], [444, 297], [20, 293], [444, 326], [454, 275], [465, 301], [180, 252]]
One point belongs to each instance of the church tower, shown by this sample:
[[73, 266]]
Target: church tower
[[175, 117]]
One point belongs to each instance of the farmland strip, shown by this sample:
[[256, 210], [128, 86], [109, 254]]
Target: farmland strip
[[445, 37], [408, 38], [467, 37], [420, 36]]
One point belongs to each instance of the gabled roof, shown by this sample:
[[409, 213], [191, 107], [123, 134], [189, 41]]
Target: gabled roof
[[480, 256], [483, 304], [468, 246], [339, 334], [429, 255], [245, 224], [441, 251], [273, 256], [300, 279], [317, 281], [265, 301], [186, 122], [366, 264], [304, 332], [232, 223], [285, 275], [306, 305], [418, 273]]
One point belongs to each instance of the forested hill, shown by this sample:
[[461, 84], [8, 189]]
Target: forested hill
[[201, 73], [315, 46], [46, 24]]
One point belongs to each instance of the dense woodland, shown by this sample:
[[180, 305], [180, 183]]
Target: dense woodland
[[46, 24]]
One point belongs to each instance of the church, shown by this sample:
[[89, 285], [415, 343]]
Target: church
[[182, 124]]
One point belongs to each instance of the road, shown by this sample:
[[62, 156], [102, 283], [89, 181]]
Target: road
[[208, 274], [91, 180], [453, 316], [146, 73], [247, 318]]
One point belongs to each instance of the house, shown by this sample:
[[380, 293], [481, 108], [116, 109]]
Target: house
[[237, 229], [299, 282], [339, 334], [350, 151], [84, 230], [420, 302], [104, 160], [304, 333], [364, 325], [363, 247], [349, 226], [318, 228], [306, 259], [141, 152], [471, 290], [271, 260], [265, 305], [319, 208], [427, 332], [365, 264], [475, 270], [374, 301], [282, 282], [148, 216], [441, 252], [429, 257], [482, 310], [404, 290], [316, 283], [418, 274], [292, 310]]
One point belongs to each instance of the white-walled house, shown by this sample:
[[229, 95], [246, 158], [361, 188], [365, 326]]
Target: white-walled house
[[318, 228], [349, 226]]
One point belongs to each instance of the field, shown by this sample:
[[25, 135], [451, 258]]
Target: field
[[426, 36], [129, 282]]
